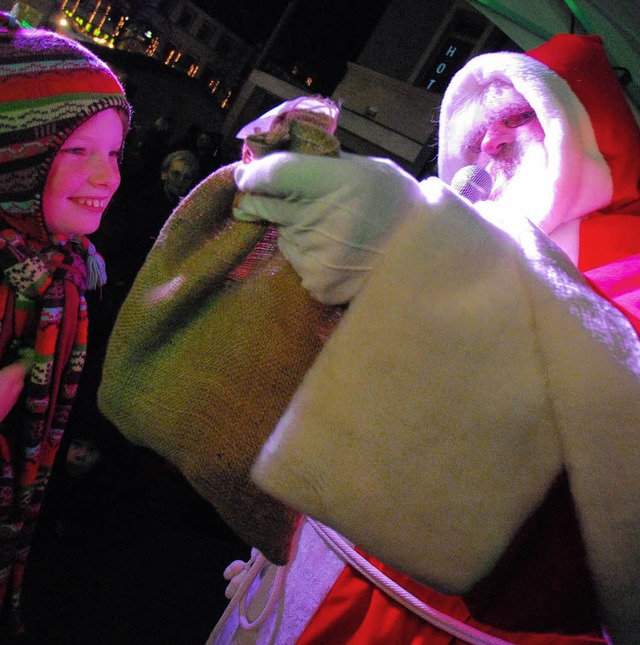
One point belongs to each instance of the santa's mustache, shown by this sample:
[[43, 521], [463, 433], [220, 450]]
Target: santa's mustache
[[513, 164]]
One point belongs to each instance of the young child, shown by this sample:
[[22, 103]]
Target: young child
[[63, 120]]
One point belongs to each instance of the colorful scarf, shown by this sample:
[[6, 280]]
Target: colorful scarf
[[42, 308]]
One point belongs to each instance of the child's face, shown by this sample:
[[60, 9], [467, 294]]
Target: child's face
[[82, 456], [84, 176]]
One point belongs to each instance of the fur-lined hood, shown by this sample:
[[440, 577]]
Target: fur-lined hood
[[591, 136]]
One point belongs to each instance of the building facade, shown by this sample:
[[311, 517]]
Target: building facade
[[391, 94], [177, 33]]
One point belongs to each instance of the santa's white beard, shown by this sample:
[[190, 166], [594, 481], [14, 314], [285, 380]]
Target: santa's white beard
[[521, 188]]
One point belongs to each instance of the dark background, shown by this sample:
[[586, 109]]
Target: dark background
[[319, 37]]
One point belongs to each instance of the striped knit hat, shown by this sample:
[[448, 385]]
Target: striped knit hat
[[49, 85]]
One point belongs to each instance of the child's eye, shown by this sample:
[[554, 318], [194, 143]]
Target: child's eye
[[74, 151]]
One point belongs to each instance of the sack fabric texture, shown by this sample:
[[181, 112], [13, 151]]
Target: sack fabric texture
[[212, 342]]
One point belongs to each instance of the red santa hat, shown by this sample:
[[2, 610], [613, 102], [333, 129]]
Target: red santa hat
[[581, 60]]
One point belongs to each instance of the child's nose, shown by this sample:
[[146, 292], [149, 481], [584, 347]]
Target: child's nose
[[105, 172]]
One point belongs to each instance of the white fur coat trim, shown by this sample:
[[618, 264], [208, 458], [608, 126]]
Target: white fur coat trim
[[469, 371]]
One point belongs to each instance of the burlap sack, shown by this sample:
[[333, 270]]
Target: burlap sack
[[212, 341]]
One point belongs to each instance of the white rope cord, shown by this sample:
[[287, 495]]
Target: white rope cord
[[436, 618], [252, 569], [350, 556], [274, 595]]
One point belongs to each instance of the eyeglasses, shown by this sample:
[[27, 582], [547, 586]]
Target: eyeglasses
[[516, 120]]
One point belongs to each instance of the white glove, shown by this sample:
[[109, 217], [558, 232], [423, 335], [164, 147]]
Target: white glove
[[334, 214]]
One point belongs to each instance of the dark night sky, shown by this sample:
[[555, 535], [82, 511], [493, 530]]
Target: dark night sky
[[253, 20], [320, 36]]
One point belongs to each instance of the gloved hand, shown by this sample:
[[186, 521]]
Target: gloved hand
[[334, 215], [236, 573]]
